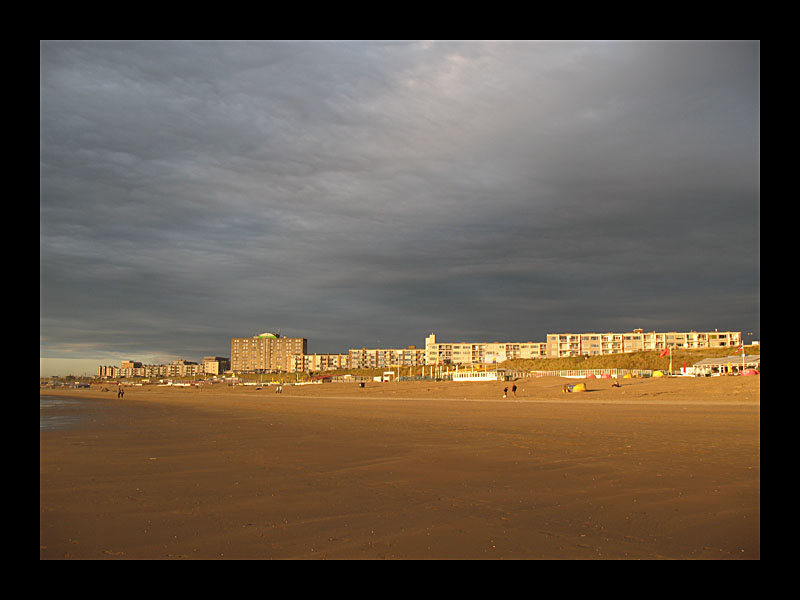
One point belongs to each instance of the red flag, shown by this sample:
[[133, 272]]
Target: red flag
[[740, 348], [666, 351]]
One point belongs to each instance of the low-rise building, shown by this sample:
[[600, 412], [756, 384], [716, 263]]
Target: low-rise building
[[215, 365], [307, 363], [375, 358], [184, 368], [127, 371], [560, 345], [723, 365], [479, 353]]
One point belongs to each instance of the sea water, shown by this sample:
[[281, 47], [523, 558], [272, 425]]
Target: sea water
[[56, 412]]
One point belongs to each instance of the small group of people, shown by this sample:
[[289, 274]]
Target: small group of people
[[279, 389], [513, 391], [120, 392]]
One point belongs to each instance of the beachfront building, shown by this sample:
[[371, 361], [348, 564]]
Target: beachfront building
[[479, 353], [184, 368], [307, 363], [216, 365], [472, 376], [724, 365], [129, 369], [266, 352], [374, 358], [107, 371], [560, 345]]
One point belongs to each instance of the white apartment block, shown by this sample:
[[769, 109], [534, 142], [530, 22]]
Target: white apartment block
[[215, 365], [479, 353], [372, 358], [560, 345], [184, 368], [318, 362], [178, 368], [131, 369]]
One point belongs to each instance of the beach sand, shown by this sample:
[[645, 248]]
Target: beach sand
[[657, 469]]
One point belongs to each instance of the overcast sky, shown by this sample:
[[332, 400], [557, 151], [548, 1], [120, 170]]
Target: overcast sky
[[369, 193]]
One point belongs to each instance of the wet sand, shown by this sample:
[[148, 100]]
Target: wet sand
[[656, 469]]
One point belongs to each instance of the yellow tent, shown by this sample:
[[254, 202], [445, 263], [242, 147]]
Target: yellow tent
[[657, 374], [580, 387]]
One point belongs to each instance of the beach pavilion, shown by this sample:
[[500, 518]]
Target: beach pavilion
[[723, 365]]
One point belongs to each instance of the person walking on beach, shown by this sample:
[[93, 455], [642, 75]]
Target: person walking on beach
[[505, 391], [514, 390]]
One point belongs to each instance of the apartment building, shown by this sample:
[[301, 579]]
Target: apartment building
[[184, 368], [560, 345], [476, 353], [319, 362], [266, 352], [216, 365], [131, 369], [372, 358]]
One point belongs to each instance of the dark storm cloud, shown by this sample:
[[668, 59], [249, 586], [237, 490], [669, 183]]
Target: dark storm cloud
[[356, 192]]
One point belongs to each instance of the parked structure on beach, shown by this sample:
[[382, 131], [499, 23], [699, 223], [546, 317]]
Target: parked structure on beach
[[723, 365]]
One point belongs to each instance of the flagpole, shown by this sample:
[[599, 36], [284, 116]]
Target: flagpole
[[741, 344], [670, 360]]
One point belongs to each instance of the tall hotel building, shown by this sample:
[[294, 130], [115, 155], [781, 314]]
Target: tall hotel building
[[266, 352]]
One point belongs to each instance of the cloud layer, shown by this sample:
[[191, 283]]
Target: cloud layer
[[367, 193]]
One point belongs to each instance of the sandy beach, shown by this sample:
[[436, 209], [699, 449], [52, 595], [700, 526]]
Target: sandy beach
[[663, 468]]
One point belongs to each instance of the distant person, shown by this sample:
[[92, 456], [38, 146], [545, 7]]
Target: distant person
[[119, 391], [514, 390], [505, 391], [616, 383], [279, 389]]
